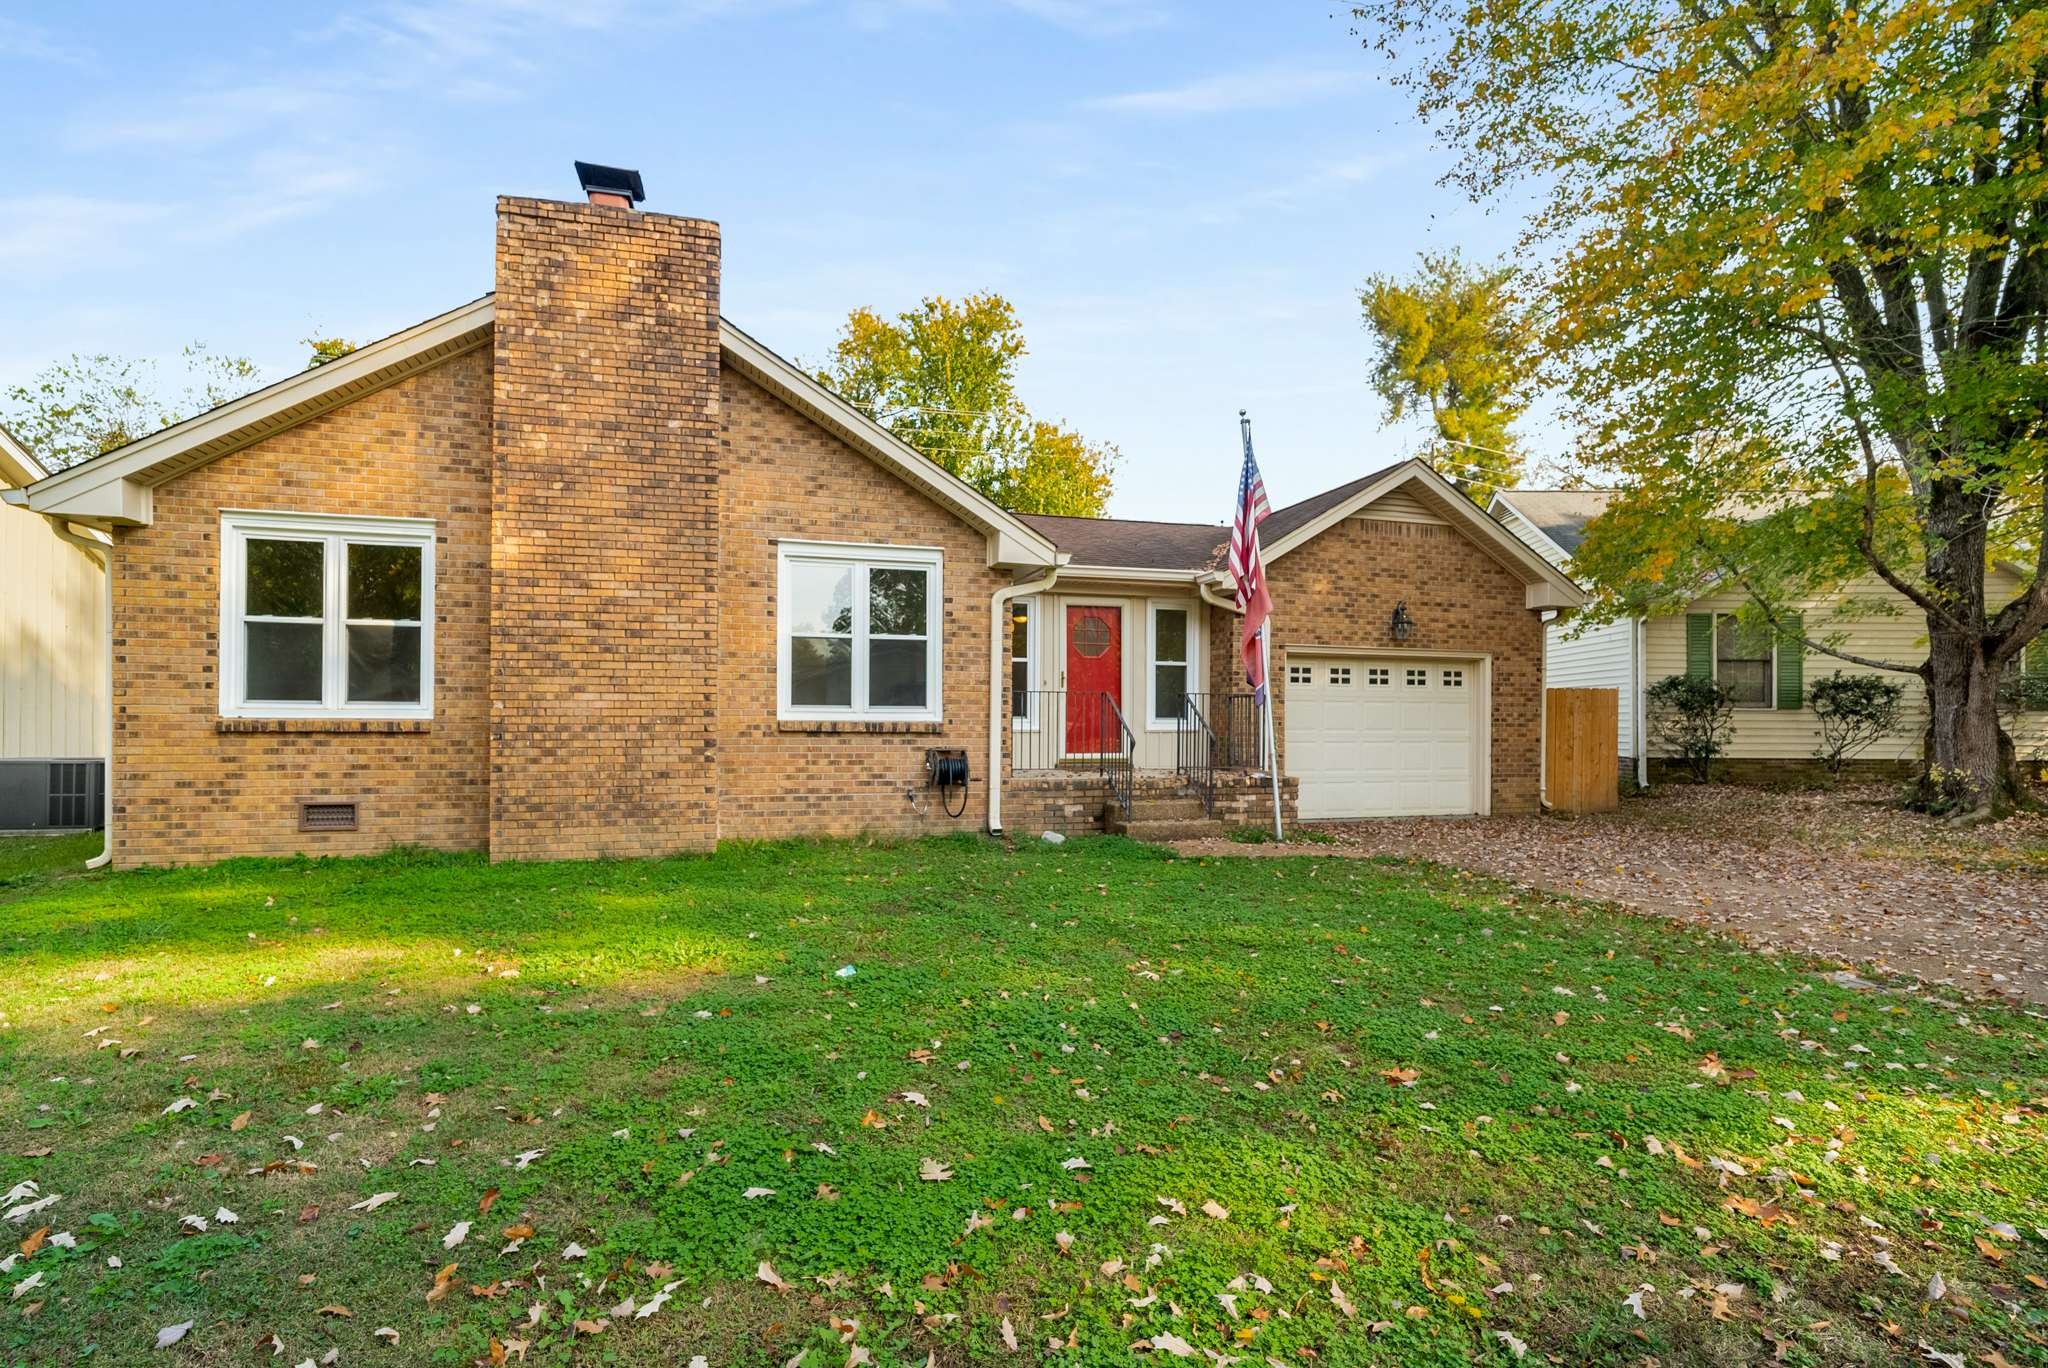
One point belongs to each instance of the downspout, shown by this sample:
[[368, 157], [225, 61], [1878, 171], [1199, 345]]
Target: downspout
[[1542, 713], [998, 672], [1639, 666], [103, 553]]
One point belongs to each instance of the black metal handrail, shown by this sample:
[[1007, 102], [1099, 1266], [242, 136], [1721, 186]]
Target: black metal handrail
[[1194, 753], [1238, 727], [1116, 755]]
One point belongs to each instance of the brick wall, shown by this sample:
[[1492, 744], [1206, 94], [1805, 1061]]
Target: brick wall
[[604, 533], [785, 477], [190, 787], [1340, 590]]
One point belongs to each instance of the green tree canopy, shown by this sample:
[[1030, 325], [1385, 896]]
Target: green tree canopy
[[943, 377], [84, 406], [1799, 264], [1454, 340], [325, 349]]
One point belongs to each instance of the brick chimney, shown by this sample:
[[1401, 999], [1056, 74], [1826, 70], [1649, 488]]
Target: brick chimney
[[604, 528]]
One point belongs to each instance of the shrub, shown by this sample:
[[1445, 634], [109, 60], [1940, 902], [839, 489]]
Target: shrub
[[1691, 720], [1853, 711]]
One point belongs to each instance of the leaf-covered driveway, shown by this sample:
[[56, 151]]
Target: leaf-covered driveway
[[1843, 876]]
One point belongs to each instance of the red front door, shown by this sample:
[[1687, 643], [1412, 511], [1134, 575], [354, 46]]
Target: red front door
[[1095, 666]]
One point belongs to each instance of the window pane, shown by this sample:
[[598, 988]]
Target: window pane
[[1170, 629], [820, 672], [284, 661], [896, 671], [896, 602], [820, 597], [384, 582], [1743, 660], [1169, 687], [383, 664], [285, 579], [1020, 690], [1020, 631]]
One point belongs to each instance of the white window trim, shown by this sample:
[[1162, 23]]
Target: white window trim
[[336, 530], [1035, 617], [1770, 703], [1153, 722], [863, 557]]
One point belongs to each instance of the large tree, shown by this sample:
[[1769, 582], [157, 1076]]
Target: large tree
[[1453, 339], [84, 406], [1800, 269], [943, 377]]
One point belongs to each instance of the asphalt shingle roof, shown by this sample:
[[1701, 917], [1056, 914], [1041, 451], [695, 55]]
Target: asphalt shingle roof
[[1133, 544]]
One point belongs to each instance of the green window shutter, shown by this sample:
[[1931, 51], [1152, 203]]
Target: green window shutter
[[1791, 663], [1699, 645], [2034, 662]]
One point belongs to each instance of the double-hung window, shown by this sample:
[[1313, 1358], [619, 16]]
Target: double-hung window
[[857, 632], [1172, 663], [326, 616], [1745, 661], [1023, 663]]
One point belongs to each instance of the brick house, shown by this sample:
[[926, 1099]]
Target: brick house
[[579, 569]]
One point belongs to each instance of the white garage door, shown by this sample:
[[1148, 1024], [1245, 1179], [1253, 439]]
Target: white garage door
[[1383, 736]]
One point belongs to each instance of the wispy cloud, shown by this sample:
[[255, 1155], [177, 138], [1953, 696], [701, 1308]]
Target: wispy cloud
[[1098, 18], [21, 42], [47, 234], [1263, 87]]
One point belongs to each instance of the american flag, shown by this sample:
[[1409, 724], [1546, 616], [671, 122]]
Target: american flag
[[1247, 567]]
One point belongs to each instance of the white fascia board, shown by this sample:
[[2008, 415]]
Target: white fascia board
[[1012, 542], [1474, 518], [115, 486], [1501, 500]]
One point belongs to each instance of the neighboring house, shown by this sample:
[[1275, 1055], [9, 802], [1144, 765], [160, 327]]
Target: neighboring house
[[1775, 726], [53, 697], [580, 568]]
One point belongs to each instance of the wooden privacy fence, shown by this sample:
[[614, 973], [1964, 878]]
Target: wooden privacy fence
[[1580, 773]]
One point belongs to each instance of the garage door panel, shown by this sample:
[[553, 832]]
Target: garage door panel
[[1383, 736]]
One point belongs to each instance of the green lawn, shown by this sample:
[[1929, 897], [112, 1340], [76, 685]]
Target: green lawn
[[1174, 1100]]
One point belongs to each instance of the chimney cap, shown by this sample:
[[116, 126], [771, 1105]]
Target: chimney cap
[[610, 180]]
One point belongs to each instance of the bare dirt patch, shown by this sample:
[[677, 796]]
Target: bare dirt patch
[[1841, 875]]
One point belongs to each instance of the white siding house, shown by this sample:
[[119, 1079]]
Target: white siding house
[[1773, 723], [53, 701], [1576, 654]]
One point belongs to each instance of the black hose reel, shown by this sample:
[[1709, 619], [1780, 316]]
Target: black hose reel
[[945, 770]]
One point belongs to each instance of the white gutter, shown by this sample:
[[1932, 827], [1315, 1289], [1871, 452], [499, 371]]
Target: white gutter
[[102, 552], [999, 670]]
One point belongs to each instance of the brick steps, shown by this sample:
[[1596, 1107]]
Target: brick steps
[[1161, 815]]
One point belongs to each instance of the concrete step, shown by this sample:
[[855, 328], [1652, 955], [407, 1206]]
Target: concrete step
[[1183, 829], [1179, 807]]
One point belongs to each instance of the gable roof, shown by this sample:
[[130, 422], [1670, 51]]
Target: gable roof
[[1559, 514], [1197, 549], [117, 487], [18, 465]]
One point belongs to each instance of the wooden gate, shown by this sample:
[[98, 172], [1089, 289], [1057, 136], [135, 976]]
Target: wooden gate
[[1580, 773]]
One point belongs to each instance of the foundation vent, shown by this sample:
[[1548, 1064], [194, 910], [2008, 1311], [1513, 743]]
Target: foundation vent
[[324, 815]]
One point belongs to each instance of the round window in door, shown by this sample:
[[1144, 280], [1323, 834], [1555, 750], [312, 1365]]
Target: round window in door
[[1090, 637]]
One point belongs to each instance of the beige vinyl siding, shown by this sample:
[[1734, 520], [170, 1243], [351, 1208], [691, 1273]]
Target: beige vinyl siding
[[52, 704], [1772, 734], [1400, 505]]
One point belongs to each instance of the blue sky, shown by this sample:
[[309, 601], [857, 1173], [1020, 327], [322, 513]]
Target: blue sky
[[1180, 198]]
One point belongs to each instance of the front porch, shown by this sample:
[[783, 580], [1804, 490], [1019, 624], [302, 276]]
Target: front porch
[[1078, 765]]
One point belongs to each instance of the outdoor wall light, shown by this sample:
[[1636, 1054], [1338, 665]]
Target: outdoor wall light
[[1404, 626]]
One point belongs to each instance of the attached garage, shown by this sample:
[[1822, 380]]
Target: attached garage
[[1387, 735]]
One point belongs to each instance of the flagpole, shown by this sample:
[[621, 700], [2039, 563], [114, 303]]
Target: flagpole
[[1272, 752]]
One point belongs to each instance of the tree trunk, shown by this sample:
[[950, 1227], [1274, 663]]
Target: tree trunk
[[1968, 772], [1969, 768]]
